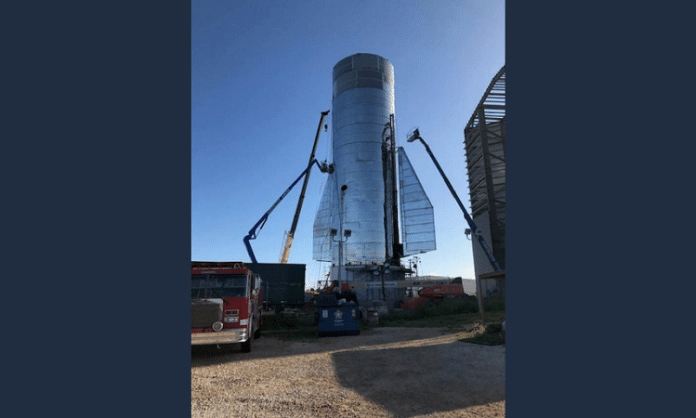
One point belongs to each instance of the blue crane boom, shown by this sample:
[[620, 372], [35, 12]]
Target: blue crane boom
[[256, 229], [474, 229]]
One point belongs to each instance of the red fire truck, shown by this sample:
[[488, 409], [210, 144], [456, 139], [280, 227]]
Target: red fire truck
[[226, 302]]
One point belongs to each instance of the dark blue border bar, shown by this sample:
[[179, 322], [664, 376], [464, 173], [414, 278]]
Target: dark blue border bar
[[599, 228], [98, 170]]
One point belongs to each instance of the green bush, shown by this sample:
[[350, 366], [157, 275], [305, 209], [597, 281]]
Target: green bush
[[432, 314], [446, 307], [494, 305]]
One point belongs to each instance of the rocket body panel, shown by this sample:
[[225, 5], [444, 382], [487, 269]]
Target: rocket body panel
[[326, 219], [363, 100], [363, 157]]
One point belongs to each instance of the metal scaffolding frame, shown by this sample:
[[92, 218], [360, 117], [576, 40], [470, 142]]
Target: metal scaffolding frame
[[484, 145]]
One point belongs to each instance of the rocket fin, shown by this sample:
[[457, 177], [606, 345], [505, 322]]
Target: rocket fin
[[417, 215], [326, 219]]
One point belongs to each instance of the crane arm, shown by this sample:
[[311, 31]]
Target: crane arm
[[472, 225], [256, 229], [291, 235]]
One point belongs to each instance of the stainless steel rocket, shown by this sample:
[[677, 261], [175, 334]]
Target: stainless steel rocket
[[355, 226]]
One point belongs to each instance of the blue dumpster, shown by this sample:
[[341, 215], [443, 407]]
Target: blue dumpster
[[334, 319]]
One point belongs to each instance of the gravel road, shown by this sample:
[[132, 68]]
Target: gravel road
[[385, 372]]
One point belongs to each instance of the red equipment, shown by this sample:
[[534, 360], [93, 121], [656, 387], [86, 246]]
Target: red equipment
[[226, 302], [435, 294]]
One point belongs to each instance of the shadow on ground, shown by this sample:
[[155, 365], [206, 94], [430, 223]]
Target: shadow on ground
[[412, 381], [270, 347]]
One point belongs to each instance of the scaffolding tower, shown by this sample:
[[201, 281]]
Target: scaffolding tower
[[484, 146]]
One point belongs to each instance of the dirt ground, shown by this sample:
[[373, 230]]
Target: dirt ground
[[385, 372]]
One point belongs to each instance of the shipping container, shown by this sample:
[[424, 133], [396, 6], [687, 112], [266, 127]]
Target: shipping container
[[283, 284]]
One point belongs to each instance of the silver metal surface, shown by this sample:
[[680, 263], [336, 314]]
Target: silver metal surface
[[358, 196], [326, 219], [363, 100], [227, 336], [417, 216]]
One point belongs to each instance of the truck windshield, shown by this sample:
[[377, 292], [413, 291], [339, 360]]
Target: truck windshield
[[218, 285]]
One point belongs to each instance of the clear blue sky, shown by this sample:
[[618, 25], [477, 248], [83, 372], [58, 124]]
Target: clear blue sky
[[261, 75]]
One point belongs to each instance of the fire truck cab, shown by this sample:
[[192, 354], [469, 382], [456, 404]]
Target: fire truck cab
[[226, 302]]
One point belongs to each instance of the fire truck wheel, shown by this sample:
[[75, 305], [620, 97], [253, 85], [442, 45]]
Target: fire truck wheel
[[257, 334], [246, 346]]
